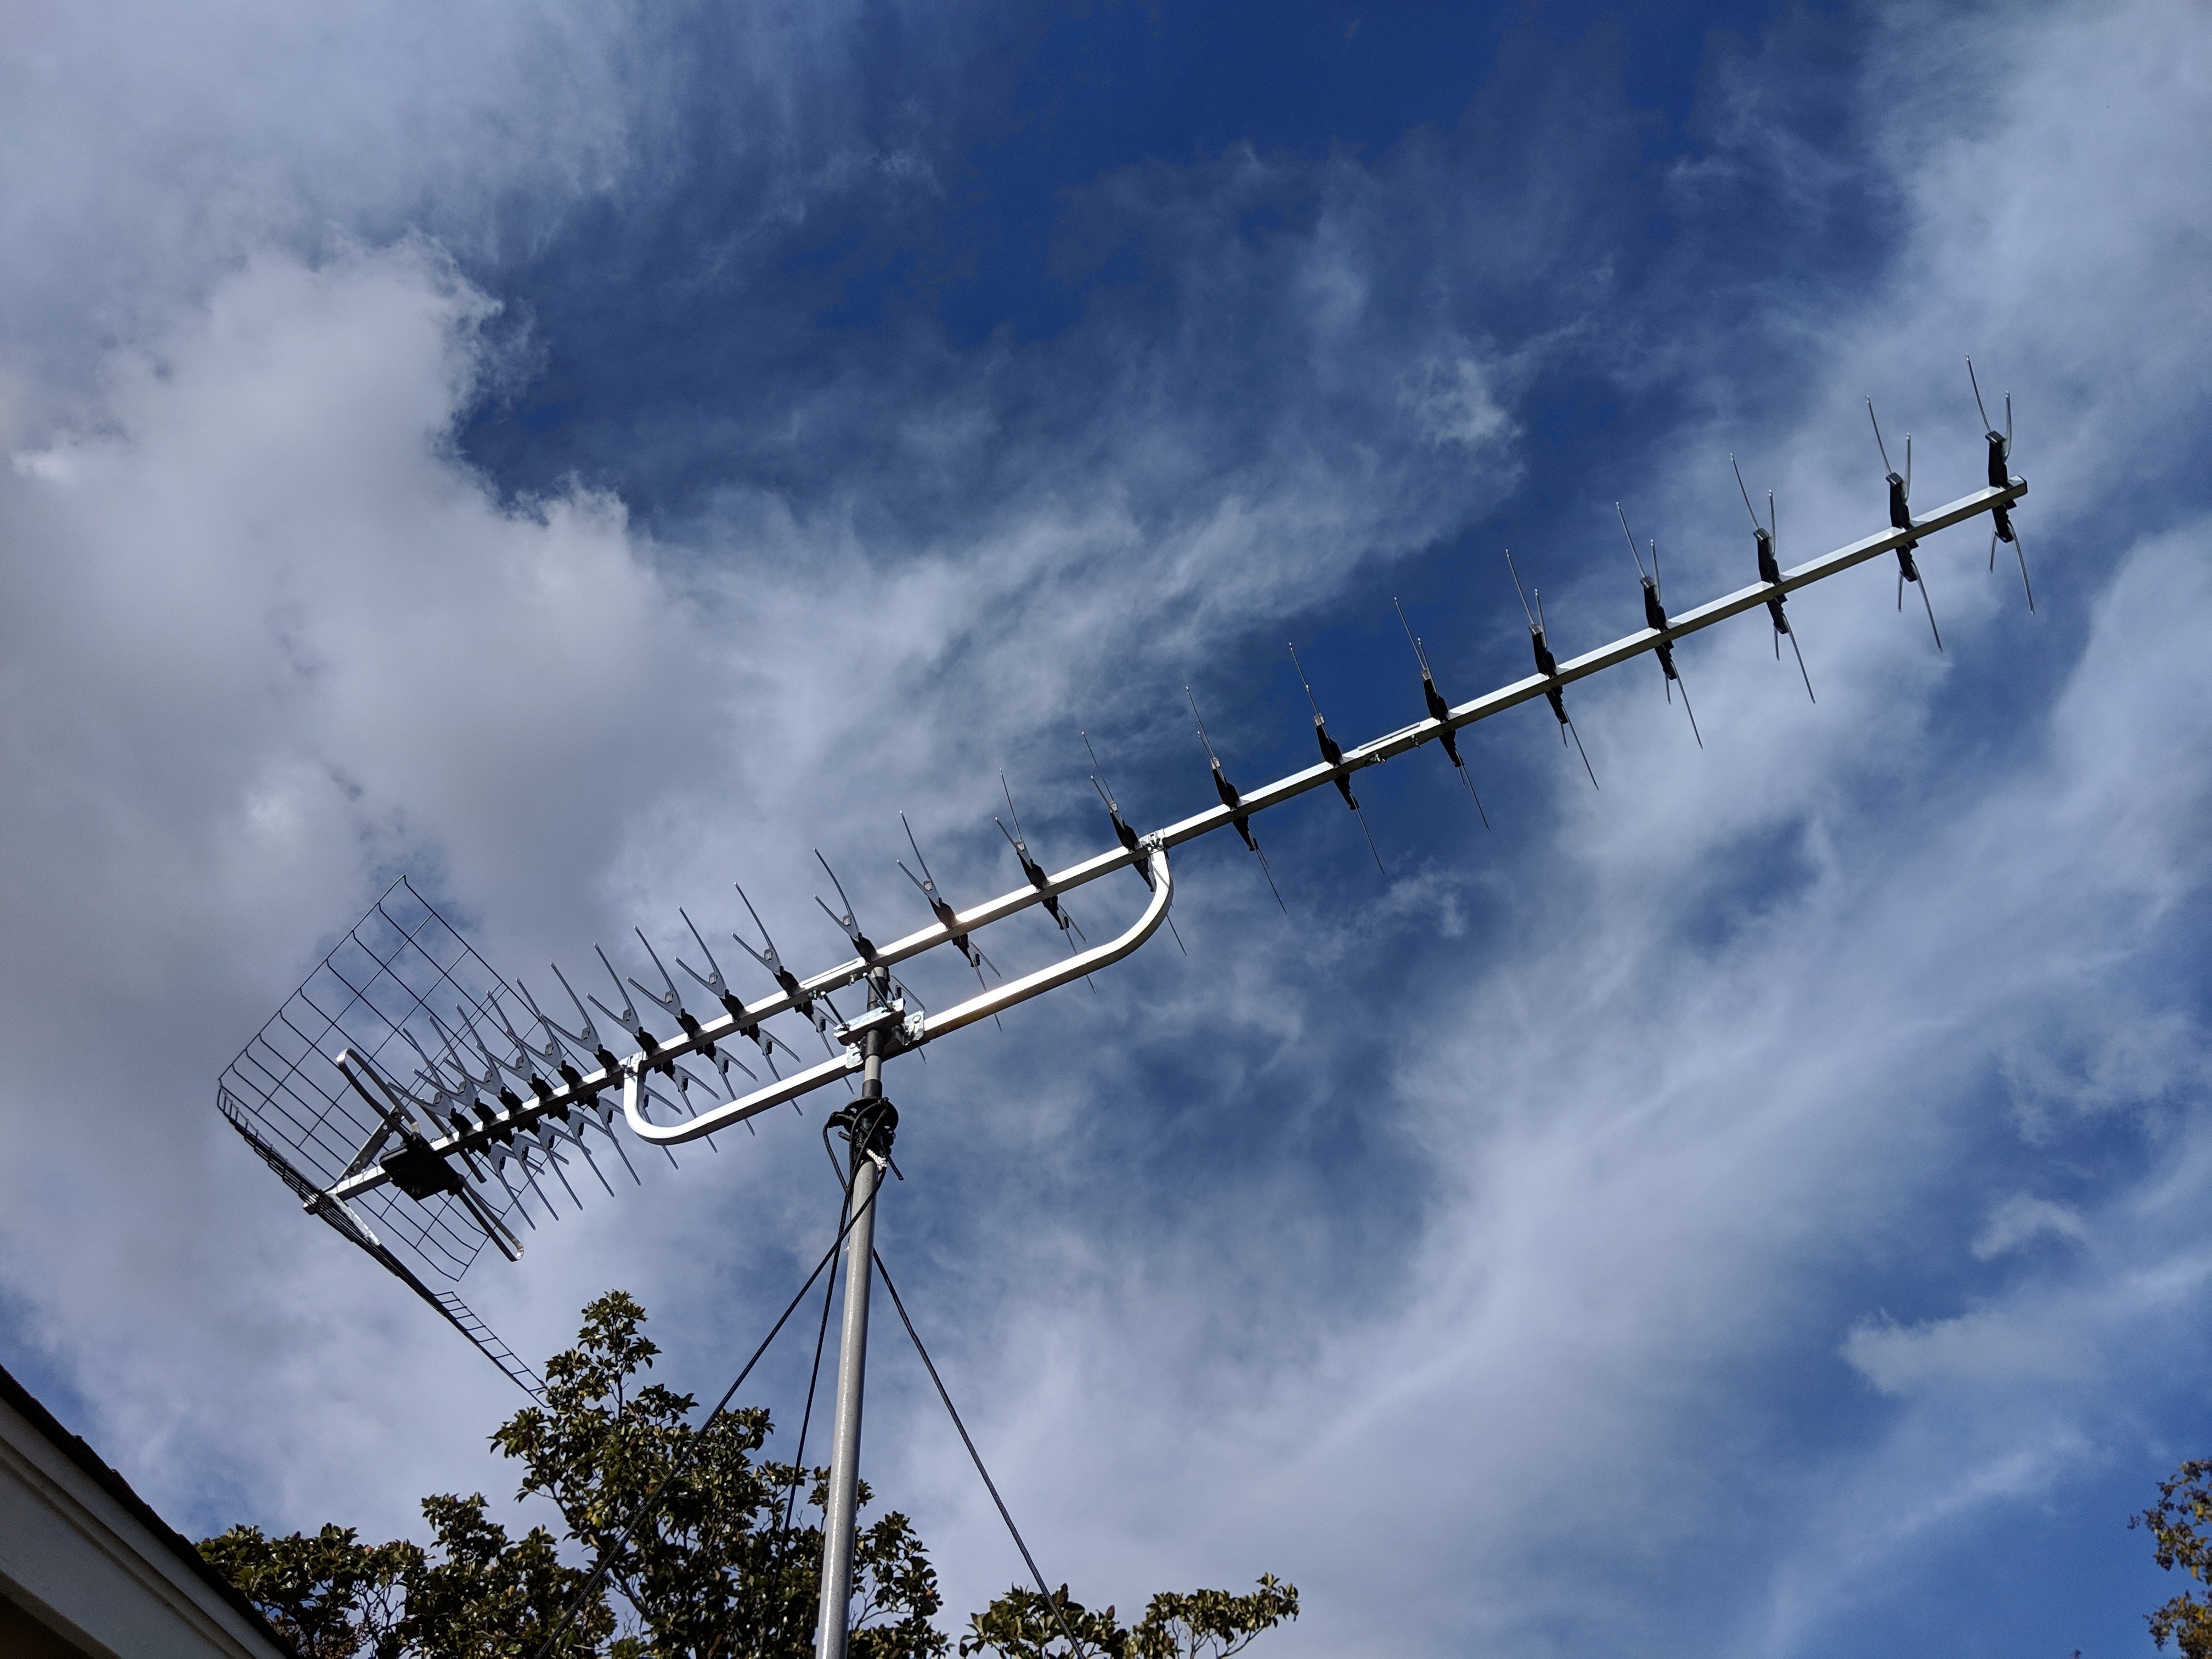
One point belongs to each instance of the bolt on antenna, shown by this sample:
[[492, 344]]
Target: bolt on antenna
[[1900, 518], [861, 942], [787, 982], [1018, 840], [947, 918], [672, 1003], [1549, 666], [1122, 832], [1655, 618], [1234, 802], [2003, 529], [1333, 756], [1440, 712], [711, 981], [628, 1019], [1069, 932], [1764, 538]]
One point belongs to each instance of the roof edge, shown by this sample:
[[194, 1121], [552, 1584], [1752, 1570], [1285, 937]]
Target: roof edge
[[88, 1461]]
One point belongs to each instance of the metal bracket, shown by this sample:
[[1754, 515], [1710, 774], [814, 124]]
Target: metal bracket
[[914, 1029]]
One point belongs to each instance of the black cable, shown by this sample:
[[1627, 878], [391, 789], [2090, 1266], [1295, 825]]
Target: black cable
[[836, 1167], [607, 1557], [1075, 1647], [813, 1381]]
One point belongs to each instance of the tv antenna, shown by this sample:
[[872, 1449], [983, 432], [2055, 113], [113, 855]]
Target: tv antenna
[[426, 1109]]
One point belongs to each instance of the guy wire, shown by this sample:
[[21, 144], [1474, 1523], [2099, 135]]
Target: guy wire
[[1075, 1647], [813, 1379], [607, 1557]]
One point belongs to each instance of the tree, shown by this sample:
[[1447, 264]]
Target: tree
[[327, 1593], [715, 1568], [2177, 1523], [473, 1594], [1203, 1624], [726, 1565]]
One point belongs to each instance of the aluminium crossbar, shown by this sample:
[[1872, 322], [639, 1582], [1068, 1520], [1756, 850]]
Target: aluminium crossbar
[[1147, 853]]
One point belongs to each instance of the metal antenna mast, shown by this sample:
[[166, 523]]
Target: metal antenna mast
[[378, 1113], [869, 1126]]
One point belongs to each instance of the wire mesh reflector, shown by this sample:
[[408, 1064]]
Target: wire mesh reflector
[[402, 971]]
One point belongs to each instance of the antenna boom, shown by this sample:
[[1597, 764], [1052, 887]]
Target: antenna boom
[[1145, 850]]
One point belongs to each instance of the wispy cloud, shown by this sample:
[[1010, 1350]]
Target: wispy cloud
[[1786, 1155]]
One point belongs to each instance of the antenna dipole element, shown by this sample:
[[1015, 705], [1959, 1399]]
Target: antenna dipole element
[[1655, 618], [1232, 800], [1770, 572], [1333, 756], [1900, 518], [1440, 712], [1548, 666], [2001, 527]]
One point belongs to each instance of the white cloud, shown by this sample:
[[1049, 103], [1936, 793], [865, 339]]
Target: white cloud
[[1654, 1157], [1455, 399], [2023, 1218], [1690, 1086], [1976, 1348]]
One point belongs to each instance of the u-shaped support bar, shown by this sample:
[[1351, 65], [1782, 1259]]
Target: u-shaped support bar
[[915, 1031]]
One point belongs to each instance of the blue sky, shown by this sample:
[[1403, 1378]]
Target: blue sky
[[581, 459]]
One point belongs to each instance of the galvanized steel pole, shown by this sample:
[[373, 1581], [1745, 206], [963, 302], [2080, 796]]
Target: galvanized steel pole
[[839, 1518]]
